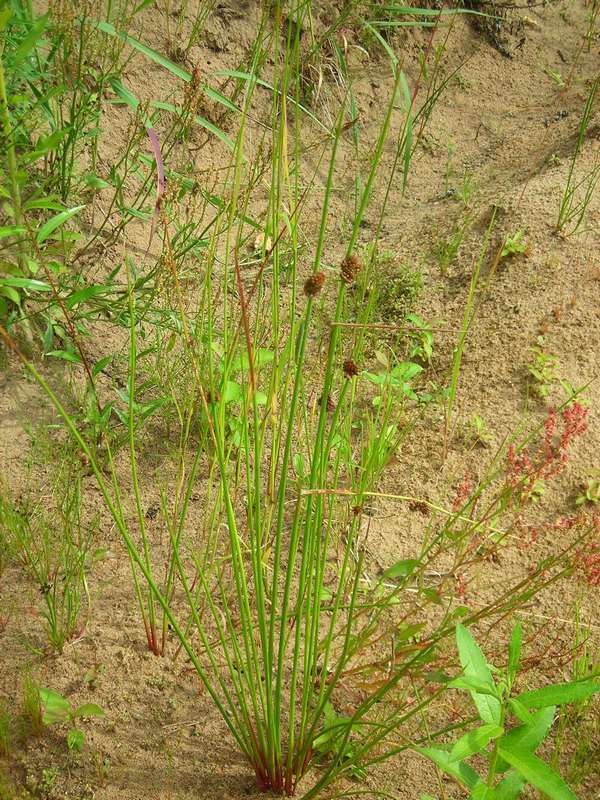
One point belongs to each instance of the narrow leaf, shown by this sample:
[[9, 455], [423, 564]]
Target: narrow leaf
[[528, 737], [559, 694], [514, 651], [55, 222], [475, 666], [475, 741], [460, 771], [537, 773]]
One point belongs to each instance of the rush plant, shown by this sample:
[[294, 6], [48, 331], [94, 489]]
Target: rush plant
[[269, 591]]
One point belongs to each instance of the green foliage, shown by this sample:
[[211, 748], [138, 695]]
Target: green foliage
[[543, 369], [5, 731], [55, 549], [508, 750], [514, 244], [579, 190], [591, 489], [56, 710]]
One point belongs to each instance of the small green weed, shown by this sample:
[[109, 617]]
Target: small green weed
[[543, 369], [590, 492], [509, 750], [579, 191], [32, 705], [477, 432], [514, 244], [57, 710]]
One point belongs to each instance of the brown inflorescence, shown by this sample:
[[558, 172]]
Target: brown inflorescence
[[350, 268], [330, 403], [350, 368], [314, 284]]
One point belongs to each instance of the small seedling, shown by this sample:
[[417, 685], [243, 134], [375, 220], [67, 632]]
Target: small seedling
[[397, 380], [32, 706], [478, 433], [509, 750], [542, 369], [57, 709], [555, 75], [333, 742], [514, 245], [591, 489]]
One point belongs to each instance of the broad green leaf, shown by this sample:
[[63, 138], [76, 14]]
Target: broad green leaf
[[94, 182], [471, 685], [43, 202], [460, 771], [75, 739], [520, 711], [537, 773], [530, 736], [475, 666], [142, 5], [125, 95], [260, 357], [45, 145], [55, 222], [510, 787], [55, 707], [11, 294], [407, 370], [559, 694], [88, 710], [232, 392], [401, 569], [475, 741], [483, 792]]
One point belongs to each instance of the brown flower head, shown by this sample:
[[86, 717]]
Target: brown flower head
[[330, 403], [314, 284], [350, 368], [350, 268]]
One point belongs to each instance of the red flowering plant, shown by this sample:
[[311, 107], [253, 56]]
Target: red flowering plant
[[483, 521]]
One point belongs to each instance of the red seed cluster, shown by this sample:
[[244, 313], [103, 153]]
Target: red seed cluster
[[462, 494], [526, 469], [588, 562]]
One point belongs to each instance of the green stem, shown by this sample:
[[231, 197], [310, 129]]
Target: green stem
[[11, 158]]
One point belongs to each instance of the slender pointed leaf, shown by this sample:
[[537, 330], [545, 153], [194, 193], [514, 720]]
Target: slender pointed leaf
[[537, 773], [475, 666]]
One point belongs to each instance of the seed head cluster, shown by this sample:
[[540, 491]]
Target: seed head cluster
[[314, 284], [350, 269], [350, 368]]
